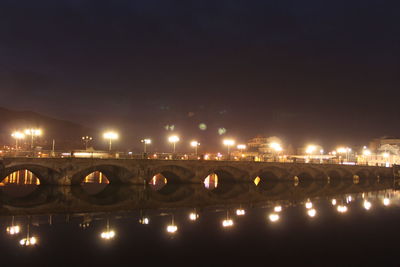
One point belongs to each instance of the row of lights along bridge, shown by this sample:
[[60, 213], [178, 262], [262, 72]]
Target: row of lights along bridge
[[111, 136]]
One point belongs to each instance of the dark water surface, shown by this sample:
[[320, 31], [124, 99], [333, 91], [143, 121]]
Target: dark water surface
[[67, 225]]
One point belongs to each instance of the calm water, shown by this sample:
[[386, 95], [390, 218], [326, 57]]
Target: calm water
[[68, 223]]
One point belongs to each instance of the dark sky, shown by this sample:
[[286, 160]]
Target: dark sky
[[321, 71]]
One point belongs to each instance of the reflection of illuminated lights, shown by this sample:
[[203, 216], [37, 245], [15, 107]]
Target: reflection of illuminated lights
[[278, 208], [13, 230], [333, 202], [257, 180], [367, 204], [211, 181], [227, 223], [273, 217], [308, 205], [311, 212], [240, 212], [144, 220], [172, 228], [349, 199], [386, 201], [193, 216], [108, 235], [342, 208]]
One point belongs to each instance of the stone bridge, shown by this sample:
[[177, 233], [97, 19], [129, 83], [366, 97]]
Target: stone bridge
[[72, 171]]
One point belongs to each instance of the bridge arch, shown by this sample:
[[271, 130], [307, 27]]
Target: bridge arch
[[173, 173], [45, 174], [114, 173]]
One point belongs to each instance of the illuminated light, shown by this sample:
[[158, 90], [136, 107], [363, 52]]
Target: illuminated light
[[227, 223], [107, 235], [341, 208], [211, 181], [194, 143], [82, 154], [144, 220], [278, 208], [240, 212], [257, 180], [173, 139], [385, 155], [273, 217], [241, 146], [333, 202], [221, 131], [206, 156], [311, 212], [13, 230], [386, 201], [111, 135], [276, 146], [18, 135], [33, 132], [309, 205], [172, 228], [311, 149], [367, 204], [366, 152], [193, 216], [229, 142], [29, 241], [349, 199], [146, 141]]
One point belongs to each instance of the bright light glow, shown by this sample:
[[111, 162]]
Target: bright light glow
[[173, 139], [311, 149], [276, 146], [13, 230], [349, 199], [29, 241], [309, 205], [385, 155], [241, 146], [240, 212], [312, 212], [193, 216], [273, 217], [194, 143], [367, 204], [172, 228], [111, 135], [108, 235], [333, 202], [229, 142], [257, 180], [367, 152], [146, 141], [18, 135], [278, 208], [386, 201], [343, 149], [341, 208], [227, 223], [144, 220], [34, 132]]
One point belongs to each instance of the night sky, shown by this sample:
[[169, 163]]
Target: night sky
[[307, 71]]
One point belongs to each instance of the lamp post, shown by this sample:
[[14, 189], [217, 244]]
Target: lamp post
[[110, 136], [229, 143], [310, 149], [145, 142], [33, 133], [195, 144], [86, 139], [173, 139], [276, 147], [17, 136]]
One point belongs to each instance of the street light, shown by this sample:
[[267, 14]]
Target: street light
[[241, 147], [173, 139], [195, 144], [86, 139], [346, 150], [229, 143], [276, 147], [145, 142], [110, 136], [17, 136], [33, 132]]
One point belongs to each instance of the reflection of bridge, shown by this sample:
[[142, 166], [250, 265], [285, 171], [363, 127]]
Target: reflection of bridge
[[70, 171], [74, 199]]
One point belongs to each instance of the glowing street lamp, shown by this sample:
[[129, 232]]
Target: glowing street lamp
[[273, 217], [227, 222], [172, 228], [241, 147], [33, 133], [311, 213], [229, 143], [193, 216], [145, 143], [17, 136], [86, 139], [110, 136], [366, 154], [310, 149], [108, 233], [28, 240], [173, 139], [343, 150], [13, 229], [195, 144]]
